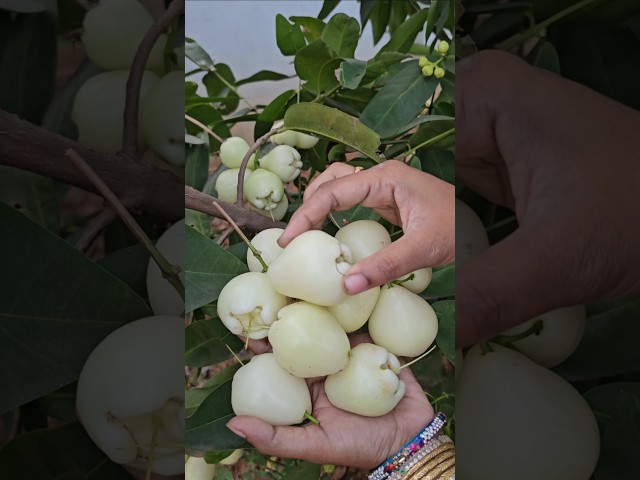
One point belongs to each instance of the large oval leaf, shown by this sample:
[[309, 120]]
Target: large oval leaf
[[206, 342]]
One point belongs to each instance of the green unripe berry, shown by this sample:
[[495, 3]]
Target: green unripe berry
[[443, 46], [427, 70], [438, 72], [233, 150], [423, 62]]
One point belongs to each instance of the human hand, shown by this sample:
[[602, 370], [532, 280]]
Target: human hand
[[537, 143], [342, 438], [421, 204]]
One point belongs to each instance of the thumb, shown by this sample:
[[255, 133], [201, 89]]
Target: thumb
[[303, 443], [510, 283]]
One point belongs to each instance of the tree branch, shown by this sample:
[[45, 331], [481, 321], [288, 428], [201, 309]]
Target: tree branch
[[201, 202], [139, 187], [132, 107], [96, 225]]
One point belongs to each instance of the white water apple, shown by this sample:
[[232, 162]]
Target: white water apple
[[196, 468], [163, 298], [284, 161], [369, 384], [232, 152], [311, 268], [131, 384], [264, 189], [276, 213], [420, 281], [227, 184], [266, 242], [233, 458], [517, 420], [308, 341], [288, 137], [263, 389], [562, 330], [471, 236], [248, 305], [402, 322], [306, 141], [364, 238], [354, 311]]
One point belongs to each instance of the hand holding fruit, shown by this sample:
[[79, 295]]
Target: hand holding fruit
[[421, 203]]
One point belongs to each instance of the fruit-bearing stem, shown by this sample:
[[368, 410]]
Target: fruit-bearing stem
[[417, 359]]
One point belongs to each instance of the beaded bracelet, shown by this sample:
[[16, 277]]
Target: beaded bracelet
[[434, 448], [410, 449]]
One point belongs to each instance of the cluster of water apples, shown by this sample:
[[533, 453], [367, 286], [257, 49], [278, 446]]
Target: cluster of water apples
[[432, 67]]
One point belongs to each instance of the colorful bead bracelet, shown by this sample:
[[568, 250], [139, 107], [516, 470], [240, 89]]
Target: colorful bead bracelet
[[410, 449]]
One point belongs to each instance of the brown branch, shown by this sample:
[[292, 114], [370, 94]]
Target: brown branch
[[248, 219], [140, 187], [245, 161], [96, 225], [132, 107]]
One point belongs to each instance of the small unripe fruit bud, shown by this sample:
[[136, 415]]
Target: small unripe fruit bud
[[438, 72], [423, 62], [443, 46], [427, 70]]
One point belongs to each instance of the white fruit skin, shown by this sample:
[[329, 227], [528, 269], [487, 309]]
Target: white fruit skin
[[162, 123], [560, 336], [369, 384], [284, 161], [420, 281], [113, 31], [233, 458], [163, 298], [227, 184], [364, 238], [278, 212], [249, 294], [311, 268], [197, 469], [264, 390], [471, 236], [264, 189], [232, 152], [402, 322], [134, 371], [288, 137], [308, 341], [98, 109], [305, 141], [266, 242], [354, 311], [518, 420]]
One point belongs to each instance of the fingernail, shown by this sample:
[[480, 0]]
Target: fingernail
[[236, 431], [355, 283]]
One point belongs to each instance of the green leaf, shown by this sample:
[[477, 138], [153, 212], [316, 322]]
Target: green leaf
[[340, 219], [208, 268], [351, 73], [603, 399], [261, 76], [446, 312], [195, 396], [438, 14], [130, 265], [443, 283], [272, 112], [341, 34], [430, 131], [196, 168], [544, 55], [327, 7], [311, 27], [197, 55], [57, 307], [303, 471], [380, 15], [215, 457], [206, 343], [400, 101], [335, 125], [402, 39], [211, 118], [316, 64], [22, 6], [317, 156], [424, 119], [289, 37], [438, 162], [201, 222], [217, 83], [65, 452]]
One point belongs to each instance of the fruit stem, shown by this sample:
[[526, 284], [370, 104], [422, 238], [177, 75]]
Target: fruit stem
[[507, 340], [431, 141], [485, 348], [417, 359], [254, 250], [311, 418], [245, 161], [157, 423], [234, 353], [400, 281], [204, 127]]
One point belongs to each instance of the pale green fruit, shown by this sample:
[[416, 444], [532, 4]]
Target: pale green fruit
[[264, 390], [233, 458], [288, 137], [402, 322], [420, 281], [98, 109], [305, 141], [277, 213], [232, 152], [518, 420], [248, 305], [264, 189], [471, 236], [227, 184], [113, 31], [284, 161], [308, 341], [162, 122], [364, 238], [369, 384], [561, 333], [196, 468], [133, 375], [311, 268], [266, 242], [354, 311], [164, 299]]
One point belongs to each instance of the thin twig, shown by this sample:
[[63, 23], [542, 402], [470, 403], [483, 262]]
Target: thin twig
[[224, 235], [245, 161], [170, 271], [96, 225], [132, 107], [204, 127]]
